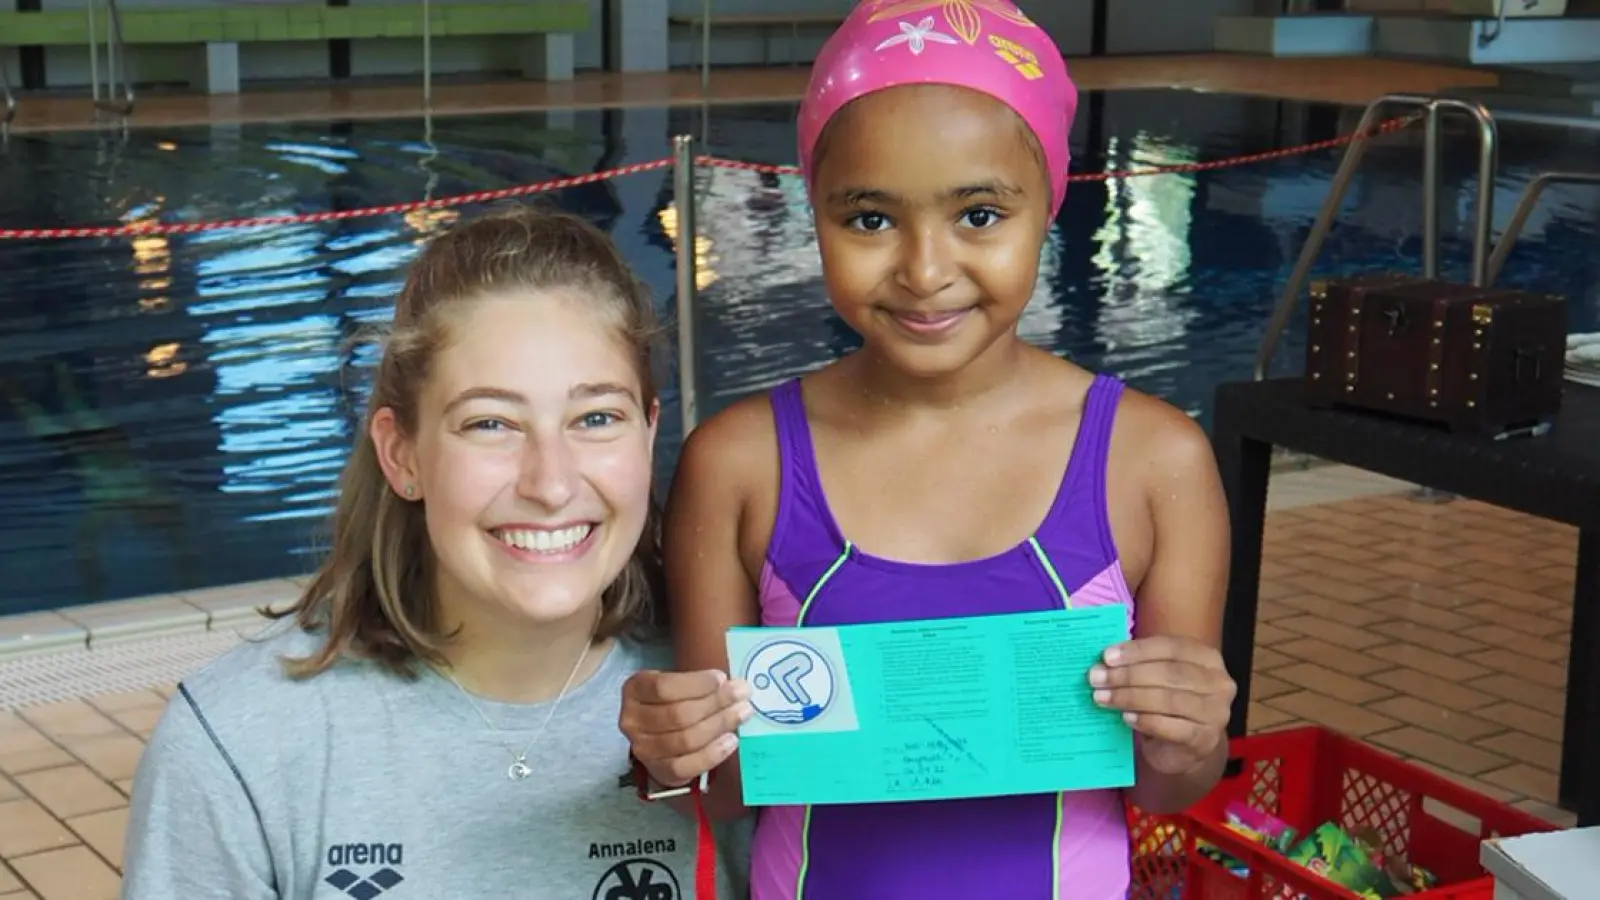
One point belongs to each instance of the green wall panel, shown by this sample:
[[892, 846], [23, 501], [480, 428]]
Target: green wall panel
[[299, 22]]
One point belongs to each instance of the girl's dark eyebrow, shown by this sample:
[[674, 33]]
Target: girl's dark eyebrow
[[995, 188], [858, 196]]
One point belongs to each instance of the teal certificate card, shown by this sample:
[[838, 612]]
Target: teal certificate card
[[930, 710]]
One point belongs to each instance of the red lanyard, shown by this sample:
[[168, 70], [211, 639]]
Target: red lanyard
[[705, 850], [705, 840]]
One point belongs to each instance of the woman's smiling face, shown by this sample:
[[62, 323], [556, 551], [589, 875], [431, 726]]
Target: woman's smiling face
[[532, 458]]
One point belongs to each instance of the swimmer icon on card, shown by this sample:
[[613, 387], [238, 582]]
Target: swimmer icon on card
[[798, 684], [783, 675]]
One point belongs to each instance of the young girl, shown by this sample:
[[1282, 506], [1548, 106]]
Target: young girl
[[947, 468], [437, 716]]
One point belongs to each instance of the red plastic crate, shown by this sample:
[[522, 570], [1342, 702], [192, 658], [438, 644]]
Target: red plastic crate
[[1307, 776]]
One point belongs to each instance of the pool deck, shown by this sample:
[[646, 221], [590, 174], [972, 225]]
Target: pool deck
[[1418, 626]]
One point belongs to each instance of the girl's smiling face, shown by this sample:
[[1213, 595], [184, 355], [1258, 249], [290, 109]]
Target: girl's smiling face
[[932, 207]]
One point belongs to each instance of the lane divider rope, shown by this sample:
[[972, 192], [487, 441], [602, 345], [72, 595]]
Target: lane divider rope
[[136, 229]]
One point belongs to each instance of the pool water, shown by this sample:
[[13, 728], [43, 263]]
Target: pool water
[[176, 410]]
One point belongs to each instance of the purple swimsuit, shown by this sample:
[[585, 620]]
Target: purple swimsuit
[[1039, 847]]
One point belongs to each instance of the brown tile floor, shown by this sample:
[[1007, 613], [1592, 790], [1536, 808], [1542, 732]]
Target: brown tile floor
[[1437, 631]]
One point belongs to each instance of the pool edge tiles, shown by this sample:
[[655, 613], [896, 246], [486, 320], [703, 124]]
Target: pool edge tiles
[[133, 665], [227, 607], [97, 626], [147, 642]]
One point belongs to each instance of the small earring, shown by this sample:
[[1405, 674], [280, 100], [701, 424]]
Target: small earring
[[411, 491]]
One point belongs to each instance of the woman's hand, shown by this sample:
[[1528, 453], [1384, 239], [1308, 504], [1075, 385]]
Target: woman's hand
[[682, 724], [1175, 692]]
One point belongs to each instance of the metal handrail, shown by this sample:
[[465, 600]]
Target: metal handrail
[[683, 201], [427, 55], [1524, 208], [1432, 107], [116, 62], [10, 111], [705, 50]]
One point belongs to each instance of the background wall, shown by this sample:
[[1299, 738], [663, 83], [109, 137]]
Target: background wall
[[1165, 26], [288, 60], [1132, 26]]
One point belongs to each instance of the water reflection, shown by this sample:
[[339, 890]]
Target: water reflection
[[1144, 259], [176, 410]]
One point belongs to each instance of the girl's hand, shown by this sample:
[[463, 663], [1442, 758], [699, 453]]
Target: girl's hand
[[682, 724], [1175, 692]]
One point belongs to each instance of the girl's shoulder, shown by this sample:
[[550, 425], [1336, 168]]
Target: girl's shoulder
[[1153, 430], [1161, 477], [750, 425], [1143, 426], [733, 450]]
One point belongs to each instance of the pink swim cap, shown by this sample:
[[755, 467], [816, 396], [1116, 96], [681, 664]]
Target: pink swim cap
[[985, 45]]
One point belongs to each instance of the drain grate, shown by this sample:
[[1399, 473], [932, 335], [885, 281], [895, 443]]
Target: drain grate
[[131, 666]]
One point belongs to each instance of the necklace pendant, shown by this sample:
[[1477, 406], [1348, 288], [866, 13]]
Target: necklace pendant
[[518, 771]]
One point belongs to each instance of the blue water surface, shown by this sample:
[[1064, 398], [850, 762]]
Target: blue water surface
[[177, 409]]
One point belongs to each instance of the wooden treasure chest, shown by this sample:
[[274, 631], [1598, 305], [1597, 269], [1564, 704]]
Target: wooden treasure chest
[[1483, 360]]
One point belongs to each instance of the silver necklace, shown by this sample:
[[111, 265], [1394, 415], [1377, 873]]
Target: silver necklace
[[519, 770]]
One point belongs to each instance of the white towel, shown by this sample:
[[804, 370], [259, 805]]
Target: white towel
[[1583, 358]]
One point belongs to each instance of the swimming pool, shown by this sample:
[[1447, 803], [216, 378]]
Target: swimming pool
[[177, 409]]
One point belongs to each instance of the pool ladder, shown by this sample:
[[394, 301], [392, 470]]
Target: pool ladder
[[116, 63], [1487, 262]]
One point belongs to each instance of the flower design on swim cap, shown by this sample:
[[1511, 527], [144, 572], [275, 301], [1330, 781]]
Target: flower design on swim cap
[[916, 36], [996, 50], [961, 15]]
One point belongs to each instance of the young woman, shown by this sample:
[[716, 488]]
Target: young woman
[[437, 716]]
